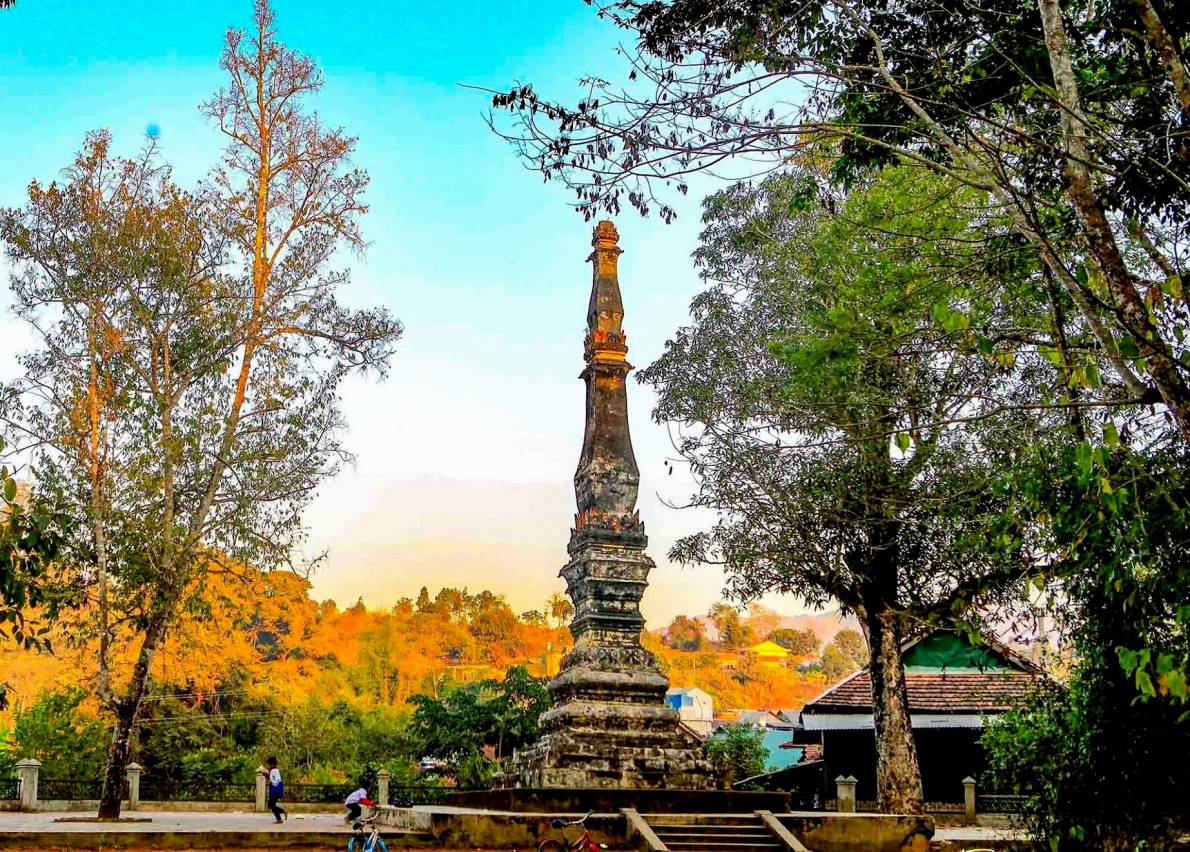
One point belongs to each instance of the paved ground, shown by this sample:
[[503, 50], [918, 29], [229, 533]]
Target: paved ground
[[172, 822], [975, 833]]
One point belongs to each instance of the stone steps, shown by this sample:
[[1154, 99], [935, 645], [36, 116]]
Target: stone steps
[[719, 845], [725, 821], [702, 831], [714, 833]]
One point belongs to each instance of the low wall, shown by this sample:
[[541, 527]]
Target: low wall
[[59, 805], [611, 801], [472, 830], [83, 805], [156, 840], [827, 832], [820, 832]]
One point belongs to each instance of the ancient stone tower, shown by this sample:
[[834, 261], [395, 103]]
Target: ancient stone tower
[[608, 724]]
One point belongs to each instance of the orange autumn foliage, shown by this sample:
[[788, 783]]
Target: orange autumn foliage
[[265, 634]]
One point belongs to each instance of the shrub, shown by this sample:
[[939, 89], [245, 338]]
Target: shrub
[[737, 752]]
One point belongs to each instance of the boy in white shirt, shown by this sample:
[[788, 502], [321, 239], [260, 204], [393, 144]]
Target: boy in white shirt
[[354, 804], [276, 790]]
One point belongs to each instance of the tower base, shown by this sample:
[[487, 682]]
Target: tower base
[[628, 746]]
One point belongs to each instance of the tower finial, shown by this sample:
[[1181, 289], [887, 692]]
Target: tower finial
[[605, 236]]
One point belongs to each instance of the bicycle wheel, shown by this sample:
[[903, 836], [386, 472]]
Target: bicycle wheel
[[351, 843], [550, 846], [379, 846]]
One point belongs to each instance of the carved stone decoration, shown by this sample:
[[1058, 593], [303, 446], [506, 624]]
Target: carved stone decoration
[[608, 724]]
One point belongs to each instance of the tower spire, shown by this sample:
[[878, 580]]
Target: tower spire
[[607, 480], [608, 724]]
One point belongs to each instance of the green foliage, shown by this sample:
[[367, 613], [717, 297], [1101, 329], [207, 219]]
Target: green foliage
[[1097, 761], [858, 452], [33, 530], [32, 534], [836, 664], [1118, 518], [499, 715], [1097, 768], [733, 632], [737, 752], [183, 742], [798, 642], [474, 772], [337, 742], [851, 642], [813, 357], [69, 741]]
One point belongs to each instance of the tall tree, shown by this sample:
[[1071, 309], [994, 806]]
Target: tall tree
[[1072, 115], [799, 642], [216, 342], [685, 634], [733, 633], [560, 609], [854, 452], [851, 642], [762, 620]]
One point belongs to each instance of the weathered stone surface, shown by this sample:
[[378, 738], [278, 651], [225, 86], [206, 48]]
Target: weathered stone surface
[[608, 725]]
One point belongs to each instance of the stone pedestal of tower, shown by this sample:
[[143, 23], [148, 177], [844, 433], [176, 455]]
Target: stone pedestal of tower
[[608, 724]]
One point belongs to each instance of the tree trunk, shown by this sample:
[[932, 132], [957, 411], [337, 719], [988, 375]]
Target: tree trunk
[[1159, 37], [1130, 308], [898, 778], [126, 713], [117, 763]]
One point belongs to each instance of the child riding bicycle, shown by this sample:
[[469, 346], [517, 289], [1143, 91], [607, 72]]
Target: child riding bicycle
[[355, 803]]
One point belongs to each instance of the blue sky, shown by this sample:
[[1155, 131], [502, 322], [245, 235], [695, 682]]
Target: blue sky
[[465, 454]]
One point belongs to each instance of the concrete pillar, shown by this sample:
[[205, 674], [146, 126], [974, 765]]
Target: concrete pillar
[[382, 778], [262, 789], [846, 794], [134, 771], [27, 772], [969, 799]]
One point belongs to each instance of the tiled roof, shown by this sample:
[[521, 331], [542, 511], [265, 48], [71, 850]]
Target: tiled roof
[[942, 692]]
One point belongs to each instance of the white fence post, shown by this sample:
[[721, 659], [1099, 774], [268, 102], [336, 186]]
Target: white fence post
[[969, 799], [262, 788], [134, 771], [382, 778], [846, 794], [27, 772]]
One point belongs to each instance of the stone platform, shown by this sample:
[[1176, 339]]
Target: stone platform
[[642, 747], [447, 827], [605, 800]]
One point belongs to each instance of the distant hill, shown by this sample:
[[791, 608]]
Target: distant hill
[[824, 624]]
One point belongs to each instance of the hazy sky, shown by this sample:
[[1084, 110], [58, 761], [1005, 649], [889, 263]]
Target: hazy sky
[[466, 454]]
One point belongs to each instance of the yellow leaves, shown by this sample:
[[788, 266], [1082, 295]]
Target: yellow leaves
[[1175, 287]]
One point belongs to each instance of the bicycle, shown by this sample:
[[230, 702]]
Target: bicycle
[[583, 844], [370, 841]]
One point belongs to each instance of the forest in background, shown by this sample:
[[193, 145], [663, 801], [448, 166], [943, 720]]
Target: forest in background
[[258, 667]]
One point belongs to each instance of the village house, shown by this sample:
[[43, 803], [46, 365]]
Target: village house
[[695, 708], [769, 653], [953, 688]]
